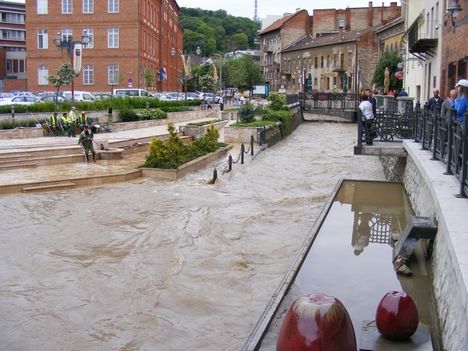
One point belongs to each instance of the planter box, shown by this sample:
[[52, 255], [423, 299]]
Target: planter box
[[196, 132], [192, 166], [33, 132]]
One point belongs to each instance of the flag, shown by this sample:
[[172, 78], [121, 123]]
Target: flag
[[162, 74]]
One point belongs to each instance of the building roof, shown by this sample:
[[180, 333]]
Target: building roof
[[279, 23], [309, 41], [394, 22]]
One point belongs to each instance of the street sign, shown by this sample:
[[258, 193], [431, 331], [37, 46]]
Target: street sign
[[130, 82]]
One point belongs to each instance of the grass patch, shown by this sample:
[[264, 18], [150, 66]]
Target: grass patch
[[204, 123]]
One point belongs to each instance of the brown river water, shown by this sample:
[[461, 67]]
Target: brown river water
[[166, 265]]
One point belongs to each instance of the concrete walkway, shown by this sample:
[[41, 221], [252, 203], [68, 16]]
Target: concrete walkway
[[65, 172]]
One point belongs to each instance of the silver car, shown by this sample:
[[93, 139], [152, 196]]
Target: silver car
[[21, 100]]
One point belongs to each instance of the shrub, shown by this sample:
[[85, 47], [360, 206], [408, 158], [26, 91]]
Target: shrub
[[277, 102], [173, 153], [246, 112], [282, 116]]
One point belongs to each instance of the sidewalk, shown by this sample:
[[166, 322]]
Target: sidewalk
[[65, 172]]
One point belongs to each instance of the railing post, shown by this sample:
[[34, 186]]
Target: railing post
[[416, 112], [424, 121], [435, 133], [359, 127], [452, 115], [464, 157], [252, 145], [230, 163], [242, 153]]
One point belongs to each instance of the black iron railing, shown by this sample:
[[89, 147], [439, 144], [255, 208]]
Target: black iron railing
[[329, 101], [447, 138]]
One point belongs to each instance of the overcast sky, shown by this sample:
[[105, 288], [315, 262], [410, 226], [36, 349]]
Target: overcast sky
[[245, 8]]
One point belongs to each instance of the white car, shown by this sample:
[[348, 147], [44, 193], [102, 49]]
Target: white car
[[21, 100]]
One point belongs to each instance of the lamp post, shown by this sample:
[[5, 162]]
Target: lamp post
[[452, 12], [173, 53], [74, 51]]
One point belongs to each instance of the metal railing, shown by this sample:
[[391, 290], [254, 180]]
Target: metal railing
[[446, 138], [329, 101]]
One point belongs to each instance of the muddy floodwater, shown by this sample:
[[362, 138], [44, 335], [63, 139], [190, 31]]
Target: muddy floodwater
[[166, 265]]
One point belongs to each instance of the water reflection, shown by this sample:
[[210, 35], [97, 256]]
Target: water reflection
[[380, 212]]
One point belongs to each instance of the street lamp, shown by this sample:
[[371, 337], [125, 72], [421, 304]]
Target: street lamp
[[452, 12], [173, 53], [74, 51]]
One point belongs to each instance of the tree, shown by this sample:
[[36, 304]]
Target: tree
[[240, 41], [65, 75], [149, 78], [390, 60]]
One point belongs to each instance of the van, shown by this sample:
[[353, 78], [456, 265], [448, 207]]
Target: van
[[79, 95], [131, 92]]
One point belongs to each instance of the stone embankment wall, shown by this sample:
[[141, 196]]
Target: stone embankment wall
[[432, 194]]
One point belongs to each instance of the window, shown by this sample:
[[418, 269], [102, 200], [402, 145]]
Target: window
[[113, 38], [42, 75], [12, 34], [12, 18], [321, 61], [42, 7], [42, 39], [15, 66], [90, 33], [67, 6], [113, 74], [88, 74], [88, 6], [316, 62], [67, 34], [328, 60], [113, 6]]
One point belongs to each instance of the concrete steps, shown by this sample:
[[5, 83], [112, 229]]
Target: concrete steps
[[17, 164], [49, 187]]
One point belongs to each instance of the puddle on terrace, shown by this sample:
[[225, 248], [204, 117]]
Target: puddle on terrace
[[351, 259]]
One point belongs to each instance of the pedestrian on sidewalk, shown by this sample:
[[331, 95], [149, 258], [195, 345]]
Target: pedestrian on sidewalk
[[368, 118], [72, 121], [461, 103], [86, 140]]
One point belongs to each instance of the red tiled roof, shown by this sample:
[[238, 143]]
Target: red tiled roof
[[278, 23]]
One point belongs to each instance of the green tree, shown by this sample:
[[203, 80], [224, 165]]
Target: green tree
[[64, 76], [240, 41], [149, 78], [390, 60]]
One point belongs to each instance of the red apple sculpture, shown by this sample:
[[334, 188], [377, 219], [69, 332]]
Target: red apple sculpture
[[397, 316], [316, 323]]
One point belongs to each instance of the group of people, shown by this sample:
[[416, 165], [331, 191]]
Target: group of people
[[457, 100], [69, 124]]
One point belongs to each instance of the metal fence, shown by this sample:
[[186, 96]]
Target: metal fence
[[446, 138], [329, 101]]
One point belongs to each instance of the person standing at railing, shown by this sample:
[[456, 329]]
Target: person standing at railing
[[447, 105], [368, 118], [435, 102], [372, 100], [461, 103]]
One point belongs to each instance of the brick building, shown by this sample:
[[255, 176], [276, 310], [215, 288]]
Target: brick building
[[334, 63], [298, 26], [128, 39], [454, 61], [12, 47]]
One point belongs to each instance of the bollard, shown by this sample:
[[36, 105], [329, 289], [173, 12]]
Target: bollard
[[13, 115], [229, 163], [215, 175], [252, 145], [242, 153]]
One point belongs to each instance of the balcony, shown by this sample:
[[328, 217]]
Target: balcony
[[338, 68], [420, 44]]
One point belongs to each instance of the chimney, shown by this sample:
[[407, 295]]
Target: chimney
[[382, 10], [394, 9], [370, 14]]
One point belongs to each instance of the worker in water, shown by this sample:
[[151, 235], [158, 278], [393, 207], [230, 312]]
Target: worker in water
[[86, 140]]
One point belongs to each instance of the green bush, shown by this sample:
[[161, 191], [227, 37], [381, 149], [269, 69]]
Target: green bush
[[253, 124], [277, 102], [173, 153], [204, 123], [10, 124], [247, 112], [130, 115], [282, 116]]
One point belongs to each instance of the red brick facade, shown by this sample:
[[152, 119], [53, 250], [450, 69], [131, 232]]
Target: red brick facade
[[454, 60], [147, 31]]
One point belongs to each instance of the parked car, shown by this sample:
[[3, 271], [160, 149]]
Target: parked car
[[21, 100], [79, 95], [51, 96], [132, 92], [102, 96], [4, 96], [210, 97]]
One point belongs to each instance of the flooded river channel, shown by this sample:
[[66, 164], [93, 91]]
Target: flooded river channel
[[166, 265]]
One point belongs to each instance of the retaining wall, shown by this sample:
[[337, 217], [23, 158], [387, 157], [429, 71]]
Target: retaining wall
[[17, 133], [433, 194]]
